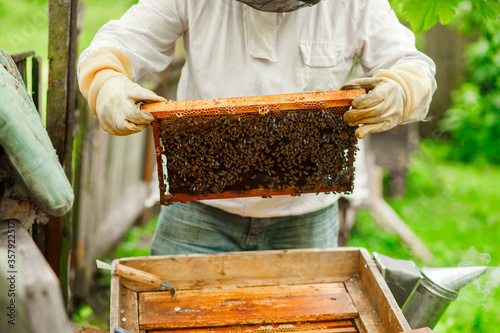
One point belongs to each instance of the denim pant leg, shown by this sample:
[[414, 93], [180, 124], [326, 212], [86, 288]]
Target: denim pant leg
[[193, 227], [318, 229]]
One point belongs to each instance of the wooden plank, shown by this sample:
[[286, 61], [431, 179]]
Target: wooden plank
[[39, 235], [329, 330], [36, 74], [115, 176], [258, 291], [261, 104], [62, 68], [21, 60], [124, 307], [133, 159], [53, 241], [86, 199], [359, 325], [80, 185], [120, 217], [199, 268], [21, 56], [337, 326], [232, 283], [99, 191], [149, 156], [368, 318], [150, 176], [380, 295], [115, 302], [180, 197], [61, 117], [253, 305]]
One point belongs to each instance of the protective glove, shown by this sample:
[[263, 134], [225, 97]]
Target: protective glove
[[105, 81], [118, 106], [395, 96]]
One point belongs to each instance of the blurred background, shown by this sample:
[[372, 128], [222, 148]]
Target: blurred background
[[446, 189]]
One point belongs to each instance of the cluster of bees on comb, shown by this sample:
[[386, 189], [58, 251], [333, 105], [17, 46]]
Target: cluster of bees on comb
[[290, 151]]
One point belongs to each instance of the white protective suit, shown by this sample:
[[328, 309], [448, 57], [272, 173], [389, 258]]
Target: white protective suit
[[234, 50]]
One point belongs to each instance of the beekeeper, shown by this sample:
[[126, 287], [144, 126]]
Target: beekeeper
[[247, 48]]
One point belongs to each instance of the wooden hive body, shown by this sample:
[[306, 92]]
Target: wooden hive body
[[329, 290]]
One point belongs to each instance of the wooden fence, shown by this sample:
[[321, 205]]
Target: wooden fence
[[111, 185]]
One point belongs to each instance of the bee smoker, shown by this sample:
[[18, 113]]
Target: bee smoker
[[439, 287], [424, 297], [402, 276]]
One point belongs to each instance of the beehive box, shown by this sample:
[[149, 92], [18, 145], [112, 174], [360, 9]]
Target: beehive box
[[314, 290], [254, 146]]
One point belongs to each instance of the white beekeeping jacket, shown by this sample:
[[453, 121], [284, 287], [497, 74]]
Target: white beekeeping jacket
[[233, 50]]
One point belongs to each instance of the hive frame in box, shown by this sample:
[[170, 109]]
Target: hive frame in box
[[333, 179], [377, 310]]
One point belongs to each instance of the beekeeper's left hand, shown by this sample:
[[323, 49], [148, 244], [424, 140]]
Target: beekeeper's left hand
[[393, 96]]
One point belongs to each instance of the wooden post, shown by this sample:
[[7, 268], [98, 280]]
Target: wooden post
[[61, 119]]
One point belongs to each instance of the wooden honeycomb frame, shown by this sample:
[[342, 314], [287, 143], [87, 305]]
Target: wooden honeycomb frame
[[304, 109]]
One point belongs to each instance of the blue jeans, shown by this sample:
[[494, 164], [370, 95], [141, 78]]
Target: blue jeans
[[194, 227]]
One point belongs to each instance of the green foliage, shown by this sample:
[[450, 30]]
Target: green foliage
[[84, 313], [474, 125], [424, 14], [473, 120], [137, 242]]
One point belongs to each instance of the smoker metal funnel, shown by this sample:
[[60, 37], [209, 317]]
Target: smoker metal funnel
[[454, 278], [402, 276], [437, 290]]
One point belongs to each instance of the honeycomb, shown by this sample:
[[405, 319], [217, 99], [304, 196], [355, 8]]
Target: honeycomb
[[280, 328], [254, 150], [328, 326]]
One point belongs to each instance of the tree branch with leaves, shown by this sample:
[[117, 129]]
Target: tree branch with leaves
[[424, 14]]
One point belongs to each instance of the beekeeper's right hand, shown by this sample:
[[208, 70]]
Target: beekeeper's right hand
[[105, 81]]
